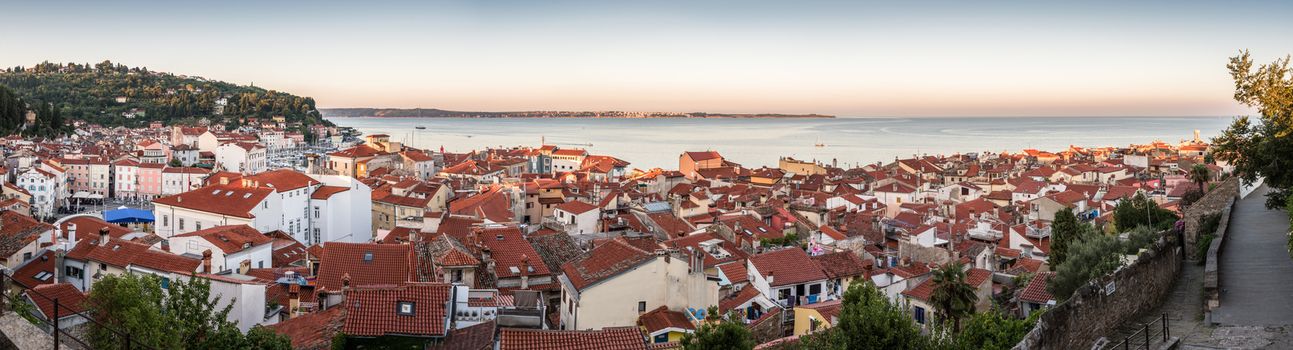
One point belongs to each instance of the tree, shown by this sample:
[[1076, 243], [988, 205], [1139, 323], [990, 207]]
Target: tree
[[727, 334], [1064, 230], [1141, 211], [185, 316], [868, 320], [1201, 175], [1088, 259], [993, 330], [175, 162], [1261, 148], [953, 297]]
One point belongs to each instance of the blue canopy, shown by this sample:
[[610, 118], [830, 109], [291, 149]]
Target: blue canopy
[[128, 215]]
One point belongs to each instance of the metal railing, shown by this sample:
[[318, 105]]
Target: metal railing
[[1150, 334], [60, 336]]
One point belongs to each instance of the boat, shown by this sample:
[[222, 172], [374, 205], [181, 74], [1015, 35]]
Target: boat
[[420, 127], [819, 143]]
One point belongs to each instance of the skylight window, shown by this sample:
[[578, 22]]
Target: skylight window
[[404, 308], [513, 269], [245, 196], [215, 193], [368, 256], [43, 276]]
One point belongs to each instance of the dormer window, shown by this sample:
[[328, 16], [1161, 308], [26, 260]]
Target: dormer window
[[404, 308]]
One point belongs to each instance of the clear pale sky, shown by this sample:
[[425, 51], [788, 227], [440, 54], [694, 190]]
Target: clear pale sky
[[853, 58]]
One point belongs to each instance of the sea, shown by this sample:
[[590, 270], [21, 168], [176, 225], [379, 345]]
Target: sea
[[844, 141]]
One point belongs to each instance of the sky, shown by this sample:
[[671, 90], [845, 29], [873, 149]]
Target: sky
[[847, 58]]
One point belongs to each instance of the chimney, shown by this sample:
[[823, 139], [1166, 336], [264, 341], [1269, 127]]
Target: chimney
[[71, 234], [206, 261], [525, 271], [769, 278], [244, 266], [293, 299], [345, 281]]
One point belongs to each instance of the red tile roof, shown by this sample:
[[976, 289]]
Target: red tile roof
[[576, 207], [17, 231], [70, 299], [509, 249], [604, 261], [312, 331], [1036, 290], [387, 264], [232, 200], [788, 266], [231, 238], [662, 318], [87, 227], [702, 156], [842, 264], [281, 179], [375, 312], [42, 265], [609, 338]]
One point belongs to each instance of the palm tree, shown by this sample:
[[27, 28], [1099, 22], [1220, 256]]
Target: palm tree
[[953, 297], [1201, 175]]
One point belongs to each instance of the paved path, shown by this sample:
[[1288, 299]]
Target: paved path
[[1256, 270]]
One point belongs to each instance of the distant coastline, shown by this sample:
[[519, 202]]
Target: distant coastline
[[439, 113]]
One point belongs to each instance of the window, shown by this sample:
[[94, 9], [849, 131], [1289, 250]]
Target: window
[[197, 225], [641, 306], [181, 221], [72, 272], [166, 220], [316, 212], [919, 314], [404, 308], [814, 289]]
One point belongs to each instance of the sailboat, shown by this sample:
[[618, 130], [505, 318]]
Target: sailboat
[[819, 143], [419, 127]]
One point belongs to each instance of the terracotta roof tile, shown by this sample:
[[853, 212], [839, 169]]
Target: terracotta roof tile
[[231, 238], [1036, 290], [609, 338], [376, 312], [366, 263], [312, 331], [232, 200], [70, 299], [662, 318], [788, 266], [603, 262]]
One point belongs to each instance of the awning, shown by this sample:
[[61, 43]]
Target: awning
[[128, 215]]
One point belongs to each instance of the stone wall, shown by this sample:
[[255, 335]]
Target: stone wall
[[1212, 267], [1214, 201], [1093, 312]]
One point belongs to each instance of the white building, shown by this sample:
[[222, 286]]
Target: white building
[[45, 190], [176, 180], [241, 157], [310, 209], [217, 205], [230, 247], [577, 217], [341, 211], [126, 178]]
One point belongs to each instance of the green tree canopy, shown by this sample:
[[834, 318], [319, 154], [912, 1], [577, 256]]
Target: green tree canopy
[[184, 316], [1141, 211], [953, 296], [728, 334], [1261, 147], [868, 320]]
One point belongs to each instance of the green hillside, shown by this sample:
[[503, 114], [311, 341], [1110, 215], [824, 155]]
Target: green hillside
[[115, 94]]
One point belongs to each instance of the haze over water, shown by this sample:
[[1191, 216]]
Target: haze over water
[[649, 143]]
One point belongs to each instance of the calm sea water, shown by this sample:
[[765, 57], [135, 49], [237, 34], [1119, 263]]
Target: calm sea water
[[651, 143]]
